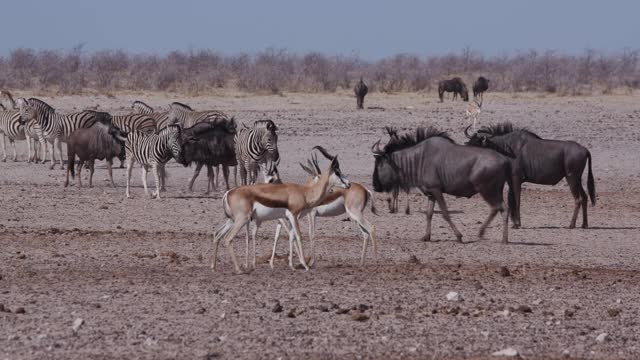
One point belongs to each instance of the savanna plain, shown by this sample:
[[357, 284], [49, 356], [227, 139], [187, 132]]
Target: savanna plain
[[136, 271]]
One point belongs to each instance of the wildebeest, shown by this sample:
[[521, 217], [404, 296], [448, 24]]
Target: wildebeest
[[393, 200], [539, 161], [211, 145], [98, 142], [432, 162], [361, 91], [480, 86], [455, 85]]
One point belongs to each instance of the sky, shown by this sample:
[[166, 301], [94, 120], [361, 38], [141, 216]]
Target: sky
[[371, 29]]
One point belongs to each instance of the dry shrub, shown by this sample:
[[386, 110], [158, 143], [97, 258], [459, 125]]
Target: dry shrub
[[277, 70]]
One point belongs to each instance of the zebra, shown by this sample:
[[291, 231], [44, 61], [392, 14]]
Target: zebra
[[255, 146], [161, 118], [152, 150], [53, 127], [185, 116], [6, 100], [10, 128]]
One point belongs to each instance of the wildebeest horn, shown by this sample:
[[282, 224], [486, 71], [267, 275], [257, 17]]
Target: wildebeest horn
[[375, 148], [324, 152], [466, 132]]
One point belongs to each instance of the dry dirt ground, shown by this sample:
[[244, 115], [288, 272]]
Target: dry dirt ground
[[136, 271]]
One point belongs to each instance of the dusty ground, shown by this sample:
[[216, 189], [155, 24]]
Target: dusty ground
[[136, 271]]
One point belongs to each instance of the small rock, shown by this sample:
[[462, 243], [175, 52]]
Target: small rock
[[508, 352], [413, 260], [504, 271], [363, 307], [568, 313], [602, 337], [537, 302], [77, 323], [342, 311], [524, 309], [454, 296], [22, 256], [359, 316], [619, 301], [150, 342], [2, 309], [277, 308], [614, 312], [201, 310], [566, 353], [292, 313], [323, 308], [103, 207], [19, 310], [13, 337]]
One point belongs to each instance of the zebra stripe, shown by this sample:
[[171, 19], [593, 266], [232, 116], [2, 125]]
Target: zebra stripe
[[152, 150], [11, 128], [255, 146], [185, 116], [54, 127], [140, 107], [134, 122], [161, 118], [6, 100]]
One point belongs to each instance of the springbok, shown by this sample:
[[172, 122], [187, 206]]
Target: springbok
[[246, 203], [352, 200], [473, 111]]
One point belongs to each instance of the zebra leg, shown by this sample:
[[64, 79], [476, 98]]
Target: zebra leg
[[80, 164], [156, 173], [129, 169], [15, 153], [4, 149], [195, 175], [145, 170], [60, 153], [243, 174], [29, 150], [163, 175], [52, 153]]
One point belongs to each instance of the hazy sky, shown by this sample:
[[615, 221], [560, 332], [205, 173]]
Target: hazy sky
[[370, 28]]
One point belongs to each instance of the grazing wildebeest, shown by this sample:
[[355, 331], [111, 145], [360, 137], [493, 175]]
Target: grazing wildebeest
[[393, 200], [455, 85], [480, 86], [211, 145], [98, 142], [539, 161], [432, 162], [361, 91]]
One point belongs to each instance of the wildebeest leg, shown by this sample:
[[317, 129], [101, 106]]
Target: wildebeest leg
[[430, 205], [225, 173], [515, 193], [91, 170], [580, 199], [209, 180], [393, 202], [445, 214], [110, 171], [195, 175], [80, 165]]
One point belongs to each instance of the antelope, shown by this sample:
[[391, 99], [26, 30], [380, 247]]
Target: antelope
[[473, 111], [352, 201], [246, 203]]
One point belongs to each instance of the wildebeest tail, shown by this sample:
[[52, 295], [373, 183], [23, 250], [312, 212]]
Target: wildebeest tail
[[511, 196], [373, 201], [591, 184], [71, 161]]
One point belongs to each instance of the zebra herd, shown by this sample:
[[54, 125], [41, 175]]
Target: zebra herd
[[152, 138]]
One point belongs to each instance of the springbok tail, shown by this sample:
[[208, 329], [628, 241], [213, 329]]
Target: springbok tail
[[591, 184]]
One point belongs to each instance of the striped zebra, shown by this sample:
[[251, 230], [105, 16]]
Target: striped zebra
[[152, 150], [6, 100], [255, 146], [185, 116], [11, 128], [161, 118], [54, 127]]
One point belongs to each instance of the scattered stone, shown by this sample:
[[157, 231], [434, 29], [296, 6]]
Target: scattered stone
[[292, 313], [525, 309], [454, 296], [568, 313], [2, 309], [537, 302], [201, 310], [504, 312], [614, 312], [362, 307], [413, 260], [77, 323], [150, 342], [19, 310], [342, 311], [508, 352], [619, 301], [359, 316], [566, 353], [103, 207], [323, 308], [602, 337], [22, 256], [277, 308], [504, 271]]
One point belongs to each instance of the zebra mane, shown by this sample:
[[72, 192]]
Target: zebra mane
[[265, 124], [505, 128], [6, 96], [408, 140], [142, 105], [41, 105], [181, 105], [2, 107]]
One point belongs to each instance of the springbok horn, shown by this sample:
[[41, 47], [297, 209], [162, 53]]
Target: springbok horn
[[315, 164], [324, 152], [466, 132], [377, 150]]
